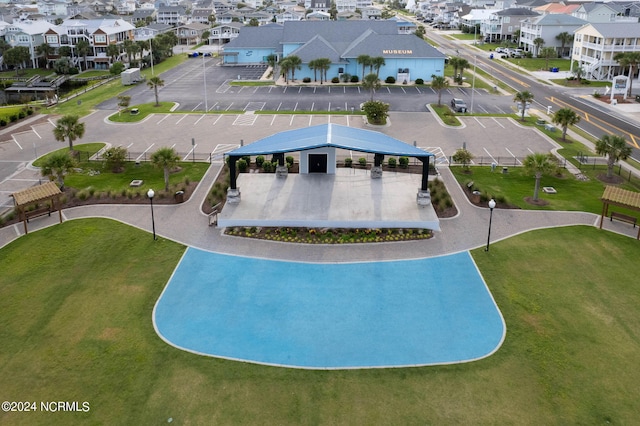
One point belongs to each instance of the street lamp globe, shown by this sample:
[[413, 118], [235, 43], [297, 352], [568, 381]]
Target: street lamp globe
[[151, 193], [492, 204]]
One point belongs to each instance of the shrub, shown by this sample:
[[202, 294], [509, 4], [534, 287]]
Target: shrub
[[306, 80], [29, 111], [376, 111], [354, 79], [242, 165], [289, 160], [419, 81], [247, 158], [3, 122], [390, 80], [596, 95], [21, 114], [13, 117], [348, 162], [362, 161], [335, 80], [115, 158], [346, 77], [259, 160], [392, 162], [404, 162]]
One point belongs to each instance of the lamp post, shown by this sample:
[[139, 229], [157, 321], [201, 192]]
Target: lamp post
[[150, 194], [492, 205]]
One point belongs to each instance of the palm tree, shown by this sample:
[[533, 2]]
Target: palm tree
[[363, 60], [631, 60], [524, 98], [56, 166], [65, 51], [547, 53], [462, 65], [312, 66], [296, 64], [113, 51], [539, 164], [165, 159], [272, 61], [154, 83], [439, 83], [285, 66], [538, 42], [44, 50], [377, 62], [83, 48], [564, 38], [68, 127], [615, 148], [566, 117], [455, 63], [127, 44], [372, 83], [323, 64]]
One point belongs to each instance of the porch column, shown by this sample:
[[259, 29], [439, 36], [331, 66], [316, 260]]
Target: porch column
[[423, 197], [281, 168], [376, 170], [233, 192]]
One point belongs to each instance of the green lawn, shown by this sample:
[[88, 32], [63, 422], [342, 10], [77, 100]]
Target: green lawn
[[86, 150], [540, 64], [143, 111], [515, 186], [77, 327]]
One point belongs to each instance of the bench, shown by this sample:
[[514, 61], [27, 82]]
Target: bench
[[624, 218], [37, 212]]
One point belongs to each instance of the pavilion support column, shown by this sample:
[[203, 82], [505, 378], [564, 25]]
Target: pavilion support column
[[233, 192], [423, 197], [605, 209], [376, 170], [281, 169]]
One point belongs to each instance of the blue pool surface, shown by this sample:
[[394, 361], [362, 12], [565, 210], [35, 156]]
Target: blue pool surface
[[330, 316]]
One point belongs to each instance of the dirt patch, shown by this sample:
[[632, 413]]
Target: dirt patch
[[612, 180], [539, 202]]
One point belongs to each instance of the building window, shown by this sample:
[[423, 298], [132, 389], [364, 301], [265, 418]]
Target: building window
[[100, 38], [52, 39]]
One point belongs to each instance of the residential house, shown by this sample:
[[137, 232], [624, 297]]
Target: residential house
[[596, 12], [28, 34], [289, 15], [53, 7], [547, 27], [346, 5], [596, 44], [224, 33], [318, 16], [150, 31], [201, 15], [172, 15], [318, 5], [126, 7], [189, 34], [144, 15], [371, 13], [502, 25]]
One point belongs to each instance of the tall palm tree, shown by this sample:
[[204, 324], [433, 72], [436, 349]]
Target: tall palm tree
[[296, 64], [631, 60], [154, 83], [564, 38], [113, 51], [547, 53], [323, 64], [566, 117], [615, 148], [56, 166], [372, 83], [377, 62], [165, 158], [44, 50], [285, 67], [463, 64], [313, 66], [272, 61], [68, 127], [539, 164], [455, 63], [439, 83], [83, 48], [363, 60], [524, 98], [538, 42]]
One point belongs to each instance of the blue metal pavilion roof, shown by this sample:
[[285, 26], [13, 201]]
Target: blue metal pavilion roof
[[332, 135]]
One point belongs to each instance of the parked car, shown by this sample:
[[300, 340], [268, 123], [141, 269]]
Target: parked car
[[501, 50], [516, 53], [458, 105]]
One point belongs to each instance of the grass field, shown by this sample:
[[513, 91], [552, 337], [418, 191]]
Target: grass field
[[77, 327]]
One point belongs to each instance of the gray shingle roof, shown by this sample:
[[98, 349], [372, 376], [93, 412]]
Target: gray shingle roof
[[618, 29], [317, 47], [268, 36], [552, 19], [518, 11]]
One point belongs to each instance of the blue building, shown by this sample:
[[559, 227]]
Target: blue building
[[406, 56]]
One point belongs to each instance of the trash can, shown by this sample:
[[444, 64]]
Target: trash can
[[179, 196], [637, 98]]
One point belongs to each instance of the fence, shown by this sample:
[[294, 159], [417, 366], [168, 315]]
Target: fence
[[502, 161]]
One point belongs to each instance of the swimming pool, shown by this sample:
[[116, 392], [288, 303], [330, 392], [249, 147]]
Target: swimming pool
[[327, 315]]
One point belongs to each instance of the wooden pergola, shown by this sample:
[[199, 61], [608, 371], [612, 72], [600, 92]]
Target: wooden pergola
[[46, 192], [622, 198]]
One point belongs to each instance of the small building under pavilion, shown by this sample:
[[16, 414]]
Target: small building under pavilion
[[615, 196], [324, 195]]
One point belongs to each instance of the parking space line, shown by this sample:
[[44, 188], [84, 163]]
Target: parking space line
[[329, 89], [295, 107], [418, 90], [196, 107], [278, 109], [186, 157], [482, 108], [229, 107], [273, 119], [162, 119], [312, 105], [358, 89], [329, 109], [16, 141], [478, 121], [129, 146], [182, 118], [529, 149], [489, 154], [498, 122], [514, 157], [310, 120], [403, 91], [284, 90], [388, 90], [52, 123], [299, 89], [201, 117], [145, 151], [217, 119], [291, 121], [34, 131], [501, 111]]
